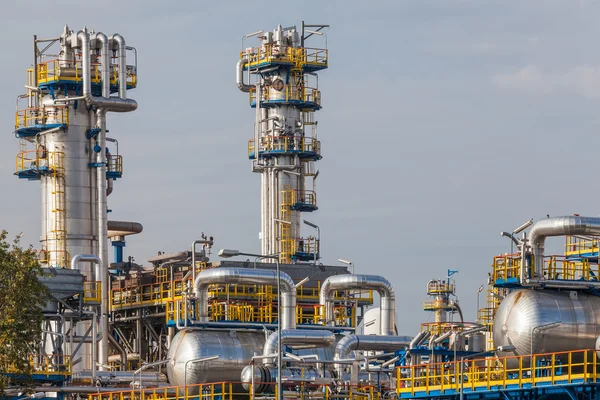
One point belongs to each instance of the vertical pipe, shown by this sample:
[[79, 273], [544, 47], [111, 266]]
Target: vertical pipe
[[102, 232], [105, 64], [138, 337], [85, 64], [279, 393], [275, 233], [122, 66], [94, 347], [262, 214]]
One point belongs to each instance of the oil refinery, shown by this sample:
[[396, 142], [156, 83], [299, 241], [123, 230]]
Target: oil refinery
[[192, 324]]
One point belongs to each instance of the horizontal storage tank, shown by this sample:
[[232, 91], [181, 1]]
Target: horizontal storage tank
[[525, 314], [236, 349]]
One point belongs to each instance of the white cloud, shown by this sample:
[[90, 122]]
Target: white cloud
[[528, 79], [583, 80]]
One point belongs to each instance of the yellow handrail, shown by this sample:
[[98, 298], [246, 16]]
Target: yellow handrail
[[299, 57], [483, 373], [71, 71], [45, 364], [290, 93], [41, 116], [92, 292]]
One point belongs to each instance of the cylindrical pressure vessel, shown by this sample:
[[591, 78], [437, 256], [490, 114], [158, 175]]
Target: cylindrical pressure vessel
[[235, 348], [543, 321]]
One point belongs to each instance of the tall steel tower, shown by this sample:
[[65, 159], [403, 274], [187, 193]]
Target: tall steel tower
[[76, 79], [281, 74]]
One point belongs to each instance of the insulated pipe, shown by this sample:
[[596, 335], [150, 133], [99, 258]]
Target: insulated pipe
[[556, 226], [419, 339], [367, 342], [442, 337], [455, 305], [122, 65], [239, 79], [84, 258], [121, 104], [194, 243], [364, 282], [511, 236], [84, 37], [123, 228], [123, 354], [297, 339], [287, 308], [105, 64], [102, 217]]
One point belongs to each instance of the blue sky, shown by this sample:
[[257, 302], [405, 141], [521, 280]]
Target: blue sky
[[444, 122]]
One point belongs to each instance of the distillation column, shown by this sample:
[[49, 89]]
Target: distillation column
[[281, 74], [62, 133]]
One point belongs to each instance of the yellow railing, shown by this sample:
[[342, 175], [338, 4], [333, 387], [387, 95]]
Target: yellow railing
[[437, 287], [150, 294], [506, 267], [485, 316], [285, 54], [258, 306], [482, 374], [92, 292], [284, 144], [303, 294], [40, 160], [71, 71], [576, 246], [289, 93], [42, 116], [208, 391], [557, 267], [60, 257], [443, 327], [115, 164], [46, 364], [299, 390], [431, 305]]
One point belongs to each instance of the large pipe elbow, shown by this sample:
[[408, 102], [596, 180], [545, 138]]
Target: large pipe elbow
[[104, 62], [248, 276], [365, 282], [84, 37], [122, 65], [124, 228], [84, 258], [239, 77], [558, 226], [350, 343], [298, 339]]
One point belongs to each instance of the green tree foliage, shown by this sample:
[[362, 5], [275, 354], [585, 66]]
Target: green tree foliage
[[22, 296]]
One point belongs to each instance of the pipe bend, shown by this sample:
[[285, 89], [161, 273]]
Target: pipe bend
[[350, 343], [122, 65], [83, 258], [239, 77], [298, 339], [364, 282], [558, 226], [248, 276]]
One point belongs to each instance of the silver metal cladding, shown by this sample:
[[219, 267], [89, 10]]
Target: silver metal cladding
[[350, 343], [248, 276], [522, 316], [236, 349], [298, 339], [365, 282], [556, 226]]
